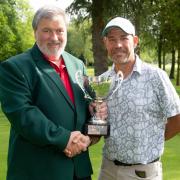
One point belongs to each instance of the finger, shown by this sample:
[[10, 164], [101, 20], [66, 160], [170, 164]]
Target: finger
[[77, 138], [76, 149], [85, 149], [92, 107], [68, 152], [103, 109]]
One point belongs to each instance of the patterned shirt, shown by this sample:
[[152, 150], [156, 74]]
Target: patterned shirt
[[138, 112]]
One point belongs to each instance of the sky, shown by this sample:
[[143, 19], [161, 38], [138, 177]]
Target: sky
[[38, 3]]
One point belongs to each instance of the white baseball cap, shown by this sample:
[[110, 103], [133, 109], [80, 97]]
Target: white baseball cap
[[121, 23]]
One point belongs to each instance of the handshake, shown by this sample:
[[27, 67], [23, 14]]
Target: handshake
[[79, 142]]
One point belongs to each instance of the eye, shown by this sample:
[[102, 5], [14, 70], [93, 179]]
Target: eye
[[46, 30], [126, 37], [60, 31], [112, 39]]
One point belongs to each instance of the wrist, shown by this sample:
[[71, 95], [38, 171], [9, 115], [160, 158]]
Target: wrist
[[93, 140], [89, 141]]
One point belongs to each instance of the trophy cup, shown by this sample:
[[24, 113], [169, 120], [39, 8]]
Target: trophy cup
[[98, 89]]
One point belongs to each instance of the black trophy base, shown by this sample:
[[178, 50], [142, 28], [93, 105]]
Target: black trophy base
[[97, 129]]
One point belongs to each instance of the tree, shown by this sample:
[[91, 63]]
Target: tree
[[85, 9], [24, 25], [99, 53], [79, 40], [7, 36], [15, 34], [155, 22], [100, 12], [169, 28], [178, 69]]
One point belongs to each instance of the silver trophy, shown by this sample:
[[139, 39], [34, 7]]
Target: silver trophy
[[98, 89]]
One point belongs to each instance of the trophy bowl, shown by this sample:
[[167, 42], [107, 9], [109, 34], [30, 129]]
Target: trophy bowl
[[98, 126], [98, 89]]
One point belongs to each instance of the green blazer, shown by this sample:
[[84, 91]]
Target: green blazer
[[42, 117]]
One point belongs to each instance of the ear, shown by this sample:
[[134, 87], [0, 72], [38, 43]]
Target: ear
[[104, 39], [34, 34], [136, 40]]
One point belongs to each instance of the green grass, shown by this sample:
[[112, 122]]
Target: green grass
[[170, 159], [177, 87], [4, 134]]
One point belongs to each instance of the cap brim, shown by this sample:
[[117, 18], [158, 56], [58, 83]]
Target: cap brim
[[105, 31]]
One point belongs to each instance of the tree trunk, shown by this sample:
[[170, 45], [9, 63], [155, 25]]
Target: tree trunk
[[137, 25], [99, 52], [159, 50], [164, 60], [171, 76], [178, 69]]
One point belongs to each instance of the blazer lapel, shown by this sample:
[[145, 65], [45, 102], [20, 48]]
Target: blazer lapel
[[72, 69], [50, 72]]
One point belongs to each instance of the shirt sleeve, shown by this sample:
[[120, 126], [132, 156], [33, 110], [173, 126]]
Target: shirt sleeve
[[167, 95]]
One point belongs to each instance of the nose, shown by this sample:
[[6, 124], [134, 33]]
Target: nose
[[118, 43], [54, 35]]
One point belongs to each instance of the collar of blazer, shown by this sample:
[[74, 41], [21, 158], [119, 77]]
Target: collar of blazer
[[45, 67]]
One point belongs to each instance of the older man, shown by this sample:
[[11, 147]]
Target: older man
[[46, 107]]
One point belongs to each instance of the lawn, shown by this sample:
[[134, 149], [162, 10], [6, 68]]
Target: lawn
[[4, 133], [170, 159]]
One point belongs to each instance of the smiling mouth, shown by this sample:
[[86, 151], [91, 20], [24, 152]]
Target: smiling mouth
[[118, 53], [54, 44]]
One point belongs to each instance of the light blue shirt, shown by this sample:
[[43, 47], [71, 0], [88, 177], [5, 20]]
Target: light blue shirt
[[138, 112]]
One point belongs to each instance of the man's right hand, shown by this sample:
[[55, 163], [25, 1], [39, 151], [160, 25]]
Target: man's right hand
[[76, 144]]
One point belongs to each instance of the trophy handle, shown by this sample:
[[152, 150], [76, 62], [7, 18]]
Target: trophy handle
[[82, 81], [79, 79], [119, 77]]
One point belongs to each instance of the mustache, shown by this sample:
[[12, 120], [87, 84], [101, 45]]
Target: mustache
[[119, 50], [54, 43]]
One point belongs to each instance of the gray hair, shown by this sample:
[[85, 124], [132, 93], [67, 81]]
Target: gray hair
[[48, 12]]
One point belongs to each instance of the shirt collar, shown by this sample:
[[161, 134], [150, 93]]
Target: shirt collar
[[51, 58], [136, 68], [62, 64], [138, 65]]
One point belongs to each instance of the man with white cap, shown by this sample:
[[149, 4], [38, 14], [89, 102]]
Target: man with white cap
[[142, 113]]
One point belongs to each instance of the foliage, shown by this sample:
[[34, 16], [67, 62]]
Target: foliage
[[16, 35], [79, 41], [156, 25], [7, 37], [24, 27]]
